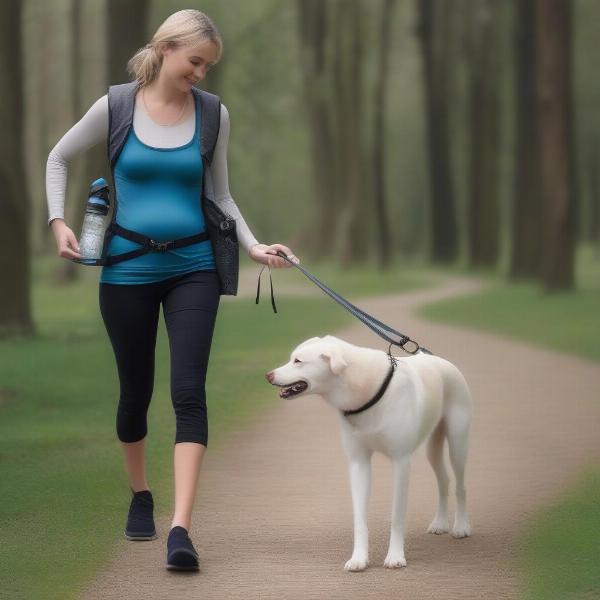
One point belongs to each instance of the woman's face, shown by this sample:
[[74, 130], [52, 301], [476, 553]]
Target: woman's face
[[187, 65]]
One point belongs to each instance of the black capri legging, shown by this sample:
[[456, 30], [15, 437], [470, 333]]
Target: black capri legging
[[130, 312]]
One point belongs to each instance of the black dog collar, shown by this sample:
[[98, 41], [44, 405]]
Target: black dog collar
[[377, 396]]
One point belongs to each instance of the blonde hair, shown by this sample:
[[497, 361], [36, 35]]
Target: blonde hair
[[187, 27]]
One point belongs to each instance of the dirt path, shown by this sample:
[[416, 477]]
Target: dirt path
[[274, 514]]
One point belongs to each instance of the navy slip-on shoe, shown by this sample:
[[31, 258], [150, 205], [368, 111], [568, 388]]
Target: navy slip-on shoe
[[140, 521], [181, 554]]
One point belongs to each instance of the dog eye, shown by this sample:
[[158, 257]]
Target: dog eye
[[296, 360]]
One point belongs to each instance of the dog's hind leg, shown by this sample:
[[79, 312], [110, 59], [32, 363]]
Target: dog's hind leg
[[435, 455], [457, 429]]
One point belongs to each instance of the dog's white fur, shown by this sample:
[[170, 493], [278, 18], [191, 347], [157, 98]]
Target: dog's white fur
[[427, 398]]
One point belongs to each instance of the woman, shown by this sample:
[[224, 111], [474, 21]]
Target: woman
[[158, 177]]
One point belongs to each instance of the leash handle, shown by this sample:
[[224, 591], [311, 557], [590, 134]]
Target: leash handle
[[258, 289], [381, 329]]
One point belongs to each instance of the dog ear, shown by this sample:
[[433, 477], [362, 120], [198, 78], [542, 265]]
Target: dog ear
[[336, 361]]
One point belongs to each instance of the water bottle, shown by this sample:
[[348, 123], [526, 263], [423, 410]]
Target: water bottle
[[95, 220]]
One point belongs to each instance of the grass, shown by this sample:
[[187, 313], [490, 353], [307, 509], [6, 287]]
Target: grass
[[64, 493], [558, 555], [565, 321]]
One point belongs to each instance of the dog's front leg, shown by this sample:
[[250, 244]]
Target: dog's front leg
[[395, 556], [360, 484]]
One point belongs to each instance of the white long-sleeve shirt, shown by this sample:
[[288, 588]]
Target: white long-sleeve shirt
[[93, 129]]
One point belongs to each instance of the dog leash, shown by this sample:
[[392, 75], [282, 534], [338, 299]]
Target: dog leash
[[381, 329]]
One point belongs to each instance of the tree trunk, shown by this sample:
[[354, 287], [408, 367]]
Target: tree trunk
[[382, 235], [313, 25], [35, 50], [15, 303], [527, 209], [554, 109], [127, 32], [353, 225], [593, 181], [484, 213], [434, 23], [331, 55]]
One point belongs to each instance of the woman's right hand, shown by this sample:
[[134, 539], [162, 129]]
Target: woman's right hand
[[66, 242]]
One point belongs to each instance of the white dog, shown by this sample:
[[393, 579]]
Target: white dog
[[426, 396]]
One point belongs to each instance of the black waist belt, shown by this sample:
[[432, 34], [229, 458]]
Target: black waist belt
[[147, 245]]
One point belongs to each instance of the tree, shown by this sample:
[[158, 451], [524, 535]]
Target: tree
[[313, 28], [353, 223], [37, 44], [434, 23], [383, 233], [555, 127], [331, 46], [483, 214], [526, 232], [15, 306], [127, 31], [592, 172]]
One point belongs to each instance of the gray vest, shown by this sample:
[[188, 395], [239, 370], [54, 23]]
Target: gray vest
[[121, 100]]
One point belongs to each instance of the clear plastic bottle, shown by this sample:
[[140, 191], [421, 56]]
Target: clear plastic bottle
[[95, 220]]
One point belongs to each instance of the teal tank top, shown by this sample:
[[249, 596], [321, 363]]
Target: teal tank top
[[158, 192]]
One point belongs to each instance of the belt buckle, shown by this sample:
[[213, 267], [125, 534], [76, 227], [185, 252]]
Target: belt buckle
[[159, 246]]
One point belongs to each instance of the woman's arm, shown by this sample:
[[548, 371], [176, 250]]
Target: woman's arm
[[89, 131], [220, 181], [261, 253]]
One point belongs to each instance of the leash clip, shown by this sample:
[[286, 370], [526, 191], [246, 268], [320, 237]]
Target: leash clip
[[409, 341]]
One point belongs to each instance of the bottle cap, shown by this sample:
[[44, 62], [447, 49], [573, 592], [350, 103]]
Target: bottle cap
[[99, 189]]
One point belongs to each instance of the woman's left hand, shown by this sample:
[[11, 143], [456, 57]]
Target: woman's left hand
[[267, 255]]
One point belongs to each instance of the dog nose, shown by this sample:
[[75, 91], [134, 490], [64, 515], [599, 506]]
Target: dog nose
[[270, 376]]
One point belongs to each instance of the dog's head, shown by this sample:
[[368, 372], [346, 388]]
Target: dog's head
[[314, 367]]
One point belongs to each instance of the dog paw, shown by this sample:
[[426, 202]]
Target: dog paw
[[461, 530], [438, 527], [394, 561], [356, 564]]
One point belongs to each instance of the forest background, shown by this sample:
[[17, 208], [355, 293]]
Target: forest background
[[452, 131]]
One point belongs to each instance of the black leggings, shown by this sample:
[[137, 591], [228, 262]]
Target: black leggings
[[130, 314]]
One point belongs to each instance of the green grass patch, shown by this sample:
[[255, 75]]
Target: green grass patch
[[558, 556], [565, 321], [64, 495]]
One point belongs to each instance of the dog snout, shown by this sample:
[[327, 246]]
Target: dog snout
[[270, 376]]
